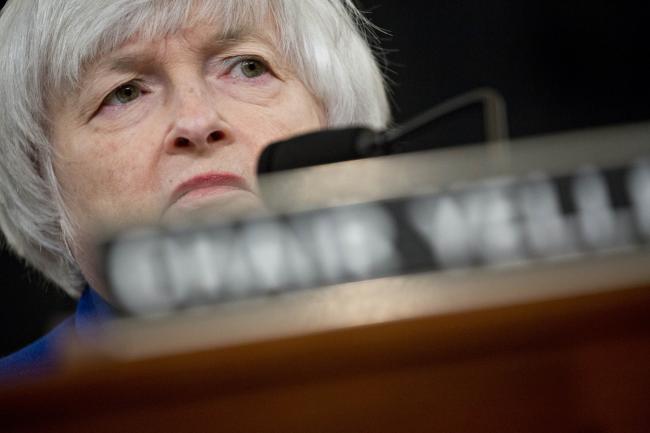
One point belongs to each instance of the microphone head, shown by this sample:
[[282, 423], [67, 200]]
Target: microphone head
[[315, 148]]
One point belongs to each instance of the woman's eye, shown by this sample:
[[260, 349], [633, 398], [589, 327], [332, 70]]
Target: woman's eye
[[123, 95], [252, 68]]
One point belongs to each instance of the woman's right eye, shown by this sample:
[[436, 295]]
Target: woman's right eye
[[123, 95]]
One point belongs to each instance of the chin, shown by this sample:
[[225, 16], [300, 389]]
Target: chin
[[219, 207]]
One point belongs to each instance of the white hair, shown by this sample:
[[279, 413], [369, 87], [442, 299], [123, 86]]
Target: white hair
[[46, 44]]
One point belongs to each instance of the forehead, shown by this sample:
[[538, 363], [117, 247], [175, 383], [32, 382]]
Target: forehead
[[202, 38], [116, 25]]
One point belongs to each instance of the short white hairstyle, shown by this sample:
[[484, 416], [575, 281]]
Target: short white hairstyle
[[45, 46]]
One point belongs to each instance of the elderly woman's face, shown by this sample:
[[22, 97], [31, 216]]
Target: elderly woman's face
[[162, 129]]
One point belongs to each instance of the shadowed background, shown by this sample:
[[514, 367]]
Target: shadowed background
[[559, 65]]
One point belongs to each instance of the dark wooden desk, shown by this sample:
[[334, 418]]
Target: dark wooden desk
[[562, 347]]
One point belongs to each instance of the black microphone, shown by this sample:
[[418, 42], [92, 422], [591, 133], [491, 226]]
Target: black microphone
[[337, 145], [321, 147]]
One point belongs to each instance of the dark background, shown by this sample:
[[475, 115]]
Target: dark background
[[559, 65]]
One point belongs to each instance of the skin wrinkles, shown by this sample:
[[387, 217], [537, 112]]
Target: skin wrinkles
[[131, 62], [119, 164]]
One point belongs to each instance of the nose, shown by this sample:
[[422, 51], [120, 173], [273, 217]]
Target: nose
[[197, 124]]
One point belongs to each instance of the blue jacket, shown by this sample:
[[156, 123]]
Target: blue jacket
[[42, 356]]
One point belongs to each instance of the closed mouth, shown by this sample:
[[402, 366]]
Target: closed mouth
[[208, 184]]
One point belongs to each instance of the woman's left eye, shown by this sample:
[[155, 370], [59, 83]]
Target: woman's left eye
[[251, 68]]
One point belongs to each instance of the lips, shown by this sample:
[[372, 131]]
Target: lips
[[213, 183]]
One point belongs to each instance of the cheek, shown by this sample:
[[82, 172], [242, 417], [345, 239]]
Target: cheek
[[105, 180], [301, 112], [295, 115]]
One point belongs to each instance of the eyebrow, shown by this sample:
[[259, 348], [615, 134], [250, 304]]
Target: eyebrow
[[137, 61]]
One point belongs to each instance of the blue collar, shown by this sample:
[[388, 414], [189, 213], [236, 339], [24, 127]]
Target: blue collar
[[91, 310], [43, 355]]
